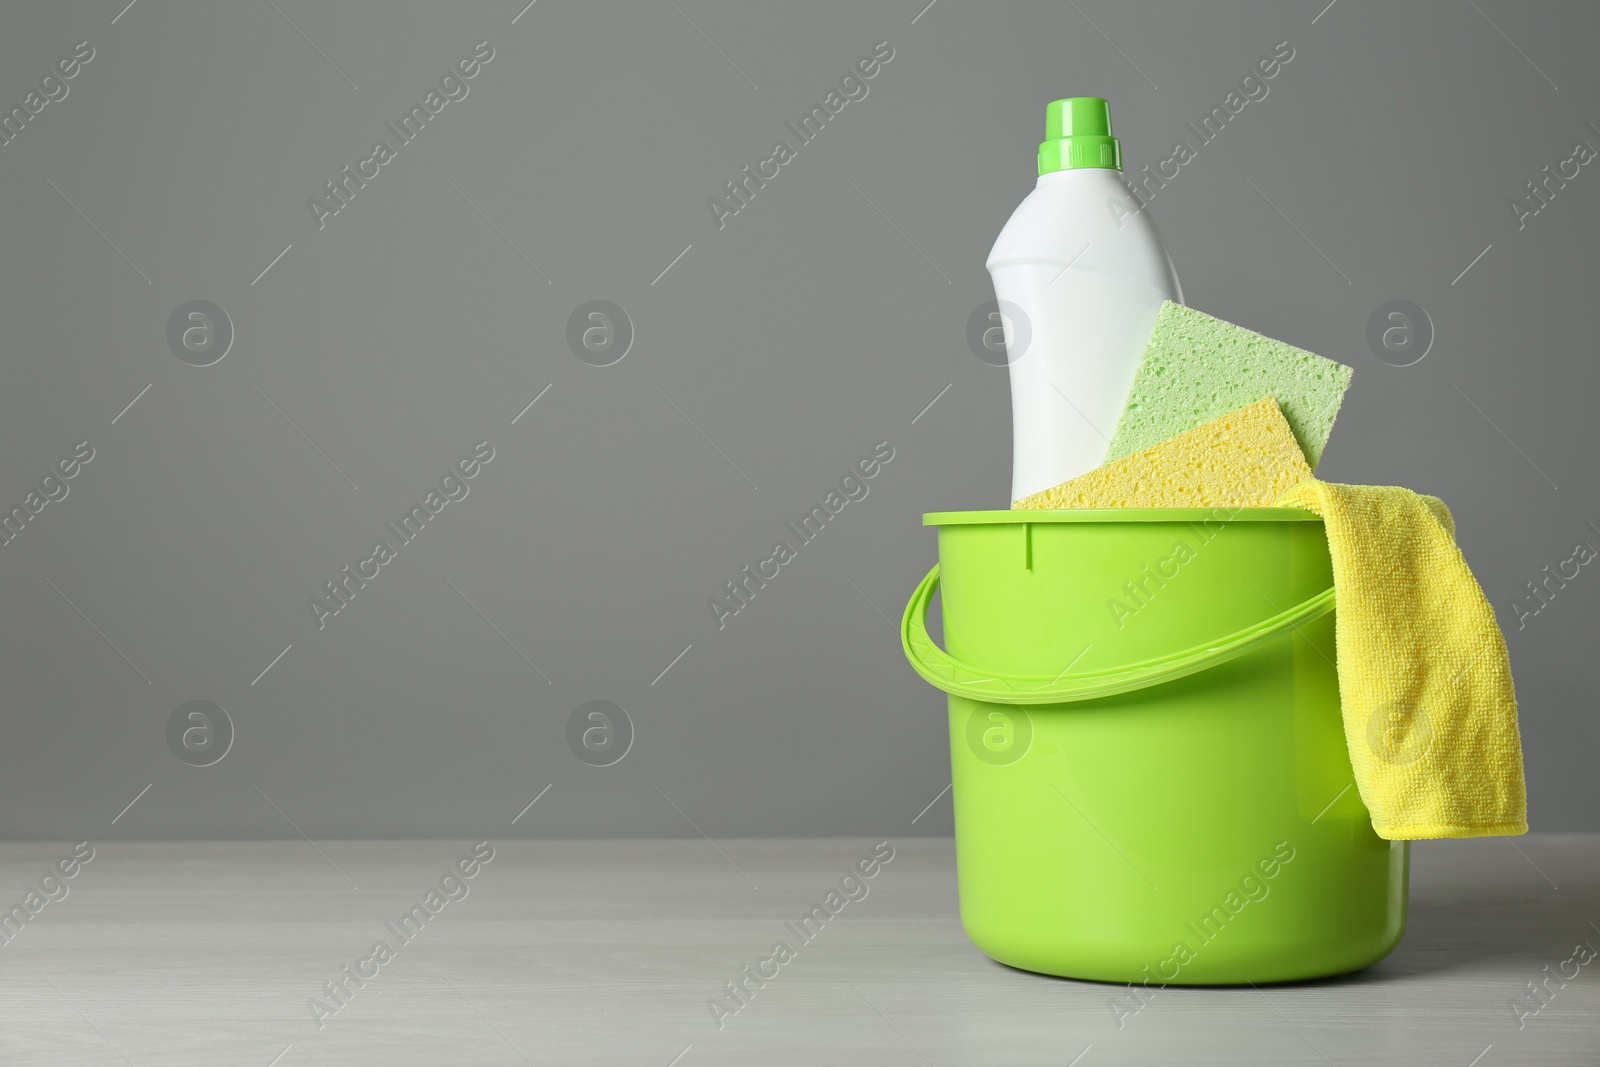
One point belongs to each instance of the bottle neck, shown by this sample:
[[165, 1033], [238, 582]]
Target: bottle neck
[[1077, 174]]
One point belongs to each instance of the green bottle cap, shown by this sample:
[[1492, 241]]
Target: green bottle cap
[[1077, 134]]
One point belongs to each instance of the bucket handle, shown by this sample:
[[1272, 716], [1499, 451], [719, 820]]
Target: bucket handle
[[946, 672]]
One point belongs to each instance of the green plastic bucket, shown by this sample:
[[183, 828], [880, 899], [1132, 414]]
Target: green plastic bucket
[[1150, 774]]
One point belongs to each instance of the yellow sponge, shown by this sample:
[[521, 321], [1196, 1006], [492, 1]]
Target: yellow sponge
[[1247, 458]]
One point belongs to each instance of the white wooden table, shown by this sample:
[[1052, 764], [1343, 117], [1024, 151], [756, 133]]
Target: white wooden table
[[608, 952]]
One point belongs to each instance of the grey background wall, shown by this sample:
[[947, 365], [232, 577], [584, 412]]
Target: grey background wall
[[371, 354]]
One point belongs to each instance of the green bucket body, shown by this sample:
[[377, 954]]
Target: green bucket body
[[1185, 813]]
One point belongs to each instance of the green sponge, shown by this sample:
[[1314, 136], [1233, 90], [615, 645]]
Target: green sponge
[[1197, 368]]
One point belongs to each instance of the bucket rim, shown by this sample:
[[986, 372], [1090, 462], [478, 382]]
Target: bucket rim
[[1020, 516]]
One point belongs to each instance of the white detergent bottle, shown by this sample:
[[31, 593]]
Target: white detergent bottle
[[1079, 274]]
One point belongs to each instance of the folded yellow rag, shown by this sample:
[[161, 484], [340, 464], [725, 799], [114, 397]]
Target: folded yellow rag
[[1424, 680]]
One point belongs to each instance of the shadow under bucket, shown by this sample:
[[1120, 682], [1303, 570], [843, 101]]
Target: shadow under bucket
[[1151, 779]]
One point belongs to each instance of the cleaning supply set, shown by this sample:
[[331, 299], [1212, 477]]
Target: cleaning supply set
[[1199, 701]]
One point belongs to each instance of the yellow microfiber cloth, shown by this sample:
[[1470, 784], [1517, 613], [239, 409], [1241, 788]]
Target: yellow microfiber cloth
[[1424, 679], [1247, 458]]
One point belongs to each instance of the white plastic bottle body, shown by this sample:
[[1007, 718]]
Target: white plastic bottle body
[[1081, 261]]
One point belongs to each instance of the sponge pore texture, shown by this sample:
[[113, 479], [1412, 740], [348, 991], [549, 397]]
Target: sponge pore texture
[[1247, 458], [1197, 368]]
